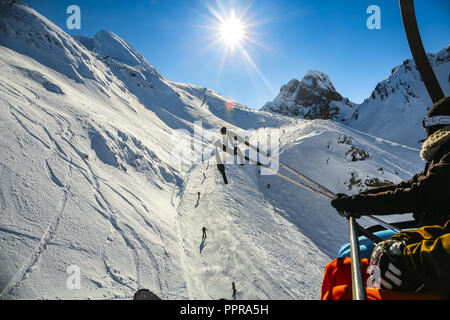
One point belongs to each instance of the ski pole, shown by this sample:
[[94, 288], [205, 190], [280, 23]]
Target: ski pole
[[302, 176], [383, 223]]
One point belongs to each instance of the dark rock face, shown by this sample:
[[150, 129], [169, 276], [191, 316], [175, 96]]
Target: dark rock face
[[393, 99], [310, 98]]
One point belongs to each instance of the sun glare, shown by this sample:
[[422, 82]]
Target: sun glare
[[232, 31]]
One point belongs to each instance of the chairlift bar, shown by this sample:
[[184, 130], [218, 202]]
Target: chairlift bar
[[358, 286]]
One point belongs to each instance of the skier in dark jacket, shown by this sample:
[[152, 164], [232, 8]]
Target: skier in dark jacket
[[204, 232], [415, 260]]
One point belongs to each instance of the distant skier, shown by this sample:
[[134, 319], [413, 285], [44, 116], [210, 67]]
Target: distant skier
[[204, 100], [204, 232], [198, 199], [234, 289], [204, 178]]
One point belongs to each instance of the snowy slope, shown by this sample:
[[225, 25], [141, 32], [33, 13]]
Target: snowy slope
[[97, 174], [178, 105], [275, 242], [394, 111], [75, 190]]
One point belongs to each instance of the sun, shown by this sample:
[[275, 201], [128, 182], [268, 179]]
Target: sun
[[232, 31]]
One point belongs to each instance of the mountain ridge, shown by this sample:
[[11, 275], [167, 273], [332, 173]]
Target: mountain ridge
[[400, 98]]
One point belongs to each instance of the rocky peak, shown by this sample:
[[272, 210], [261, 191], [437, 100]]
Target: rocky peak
[[314, 97], [402, 79]]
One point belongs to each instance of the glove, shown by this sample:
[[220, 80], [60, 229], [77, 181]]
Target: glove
[[385, 257], [343, 205], [386, 270]]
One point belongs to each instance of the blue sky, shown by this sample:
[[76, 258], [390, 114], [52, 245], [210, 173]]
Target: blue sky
[[292, 36]]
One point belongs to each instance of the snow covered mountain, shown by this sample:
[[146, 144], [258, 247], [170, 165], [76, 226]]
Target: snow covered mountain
[[394, 110], [398, 104], [101, 170], [314, 97]]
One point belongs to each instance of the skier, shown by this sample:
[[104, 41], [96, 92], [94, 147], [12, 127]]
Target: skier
[[204, 232], [234, 289], [198, 199], [204, 178], [415, 260]]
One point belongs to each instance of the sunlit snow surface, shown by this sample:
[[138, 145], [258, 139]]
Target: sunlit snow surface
[[90, 178]]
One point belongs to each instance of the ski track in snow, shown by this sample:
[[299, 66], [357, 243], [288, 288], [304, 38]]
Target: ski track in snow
[[19, 234], [129, 234], [178, 193], [143, 245], [33, 259], [94, 179], [108, 212], [51, 229], [229, 261]]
